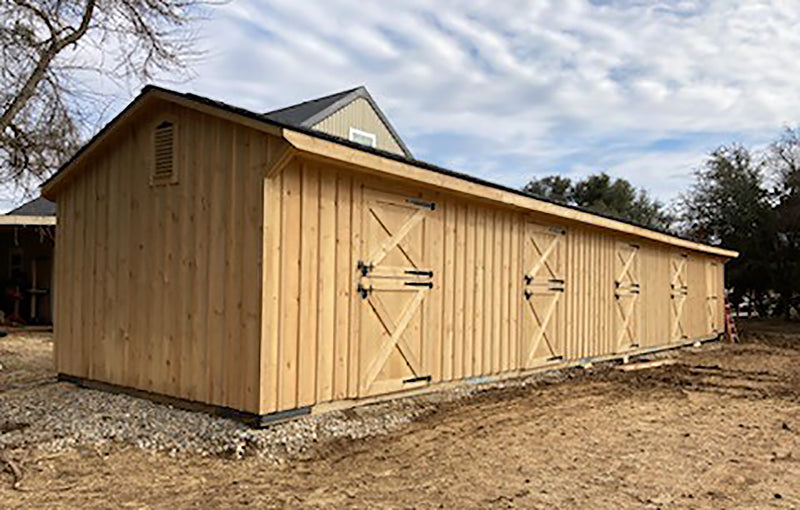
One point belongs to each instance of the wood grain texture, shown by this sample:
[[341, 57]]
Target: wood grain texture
[[153, 280], [236, 286]]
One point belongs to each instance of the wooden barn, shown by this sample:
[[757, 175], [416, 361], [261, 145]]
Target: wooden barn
[[268, 265]]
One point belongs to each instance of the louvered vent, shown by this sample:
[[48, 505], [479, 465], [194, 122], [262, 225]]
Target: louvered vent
[[164, 150]]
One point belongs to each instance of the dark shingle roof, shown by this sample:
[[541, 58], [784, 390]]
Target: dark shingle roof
[[309, 113], [304, 114], [36, 207]]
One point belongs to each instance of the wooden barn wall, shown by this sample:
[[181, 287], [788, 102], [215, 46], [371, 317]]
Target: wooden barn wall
[[158, 287], [360, 115], [472, 320]]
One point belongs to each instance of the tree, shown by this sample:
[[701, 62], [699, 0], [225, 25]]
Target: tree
[[599, 193], [554, 188], [783, 163], [46, 46], [730, 205]]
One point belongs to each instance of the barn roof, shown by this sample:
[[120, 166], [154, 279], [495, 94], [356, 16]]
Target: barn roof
[[309, 113], [324, 145]]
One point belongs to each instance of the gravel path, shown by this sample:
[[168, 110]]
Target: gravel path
[[54, 416], [59, 416]]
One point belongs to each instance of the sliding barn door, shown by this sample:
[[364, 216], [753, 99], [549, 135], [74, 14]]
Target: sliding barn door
[[394, 279], [627, 294], [544, 262], [713, 298], [679, 289]]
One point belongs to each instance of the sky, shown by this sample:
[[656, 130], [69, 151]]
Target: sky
[[511, 90]]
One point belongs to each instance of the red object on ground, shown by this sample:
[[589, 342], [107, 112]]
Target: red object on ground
[[730, 327]]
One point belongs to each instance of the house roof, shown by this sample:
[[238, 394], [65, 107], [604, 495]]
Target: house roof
[[38, 211], [36, 207], [309, 113], [372, 156]]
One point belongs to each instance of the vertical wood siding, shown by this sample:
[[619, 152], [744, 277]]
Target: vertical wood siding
[[158, 287], [360, 115], [161, 287], [472, 321]]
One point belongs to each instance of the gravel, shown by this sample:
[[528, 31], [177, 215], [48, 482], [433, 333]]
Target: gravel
[[58, 416]]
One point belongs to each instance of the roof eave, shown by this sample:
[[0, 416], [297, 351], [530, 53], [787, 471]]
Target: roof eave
[[320, 145], [323, 149], [20, 220], [150, 92]]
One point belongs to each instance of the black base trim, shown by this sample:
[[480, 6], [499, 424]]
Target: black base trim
[[426, 378], [252, 419]]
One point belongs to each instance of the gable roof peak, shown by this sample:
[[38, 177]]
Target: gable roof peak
[[309, 113], [303, 113]]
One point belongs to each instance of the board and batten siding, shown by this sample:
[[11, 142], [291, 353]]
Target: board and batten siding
[[360, 115], [158, 286], [265, 281], [319, 333]]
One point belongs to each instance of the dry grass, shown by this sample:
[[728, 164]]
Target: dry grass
[[26, 359]]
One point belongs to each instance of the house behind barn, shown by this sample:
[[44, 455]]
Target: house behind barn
[[275, 263], [27, 237]]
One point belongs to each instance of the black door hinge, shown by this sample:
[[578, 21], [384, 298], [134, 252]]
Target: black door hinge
[[422, 203], [419, 284]]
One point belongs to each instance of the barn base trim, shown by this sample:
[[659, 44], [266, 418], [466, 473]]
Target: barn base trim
[[256, 420], [517, 374], [252, 419]]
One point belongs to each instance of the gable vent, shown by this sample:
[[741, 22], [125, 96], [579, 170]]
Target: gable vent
[[164, 147]]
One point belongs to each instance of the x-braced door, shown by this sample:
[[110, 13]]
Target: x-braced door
[[713, 297], [679, 289], [627, 293], [544, 261], [394, 279]]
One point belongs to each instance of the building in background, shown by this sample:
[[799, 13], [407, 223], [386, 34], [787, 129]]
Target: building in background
[[27, 239]]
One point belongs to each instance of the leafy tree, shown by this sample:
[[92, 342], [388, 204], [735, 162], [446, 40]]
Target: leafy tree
[[783, 162], [602, 194], [49, 47], [730, 205], [553, 187]]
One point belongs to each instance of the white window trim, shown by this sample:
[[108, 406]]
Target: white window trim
[[371, 136]]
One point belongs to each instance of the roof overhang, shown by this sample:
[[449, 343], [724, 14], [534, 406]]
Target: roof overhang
[[148, 95], [27, 220], [326, 147]]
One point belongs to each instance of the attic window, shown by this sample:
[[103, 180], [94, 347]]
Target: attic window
[[362, 137], [164, 153]]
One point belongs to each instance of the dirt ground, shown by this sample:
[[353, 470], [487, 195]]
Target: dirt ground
[[718, 429]]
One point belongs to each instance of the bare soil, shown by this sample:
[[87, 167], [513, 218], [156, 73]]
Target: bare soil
[[718, 429]]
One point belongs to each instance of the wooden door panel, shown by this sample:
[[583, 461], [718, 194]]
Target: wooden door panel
[[679, 290], [394, 280], [713, 298], [627, 293], [544, 262]]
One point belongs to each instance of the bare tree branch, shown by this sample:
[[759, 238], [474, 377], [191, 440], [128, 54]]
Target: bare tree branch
[[49, 96], [46, 58]]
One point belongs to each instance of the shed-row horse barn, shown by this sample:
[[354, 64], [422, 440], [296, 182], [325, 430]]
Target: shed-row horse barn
[[209, 254]]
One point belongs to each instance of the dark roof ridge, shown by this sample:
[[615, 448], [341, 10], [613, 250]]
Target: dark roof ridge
[[322, 98], [379, 152]]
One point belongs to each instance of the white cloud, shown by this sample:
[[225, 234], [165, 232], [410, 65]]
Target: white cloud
[[543, 82]]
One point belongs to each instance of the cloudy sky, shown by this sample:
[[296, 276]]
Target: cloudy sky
[[508, 90]]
